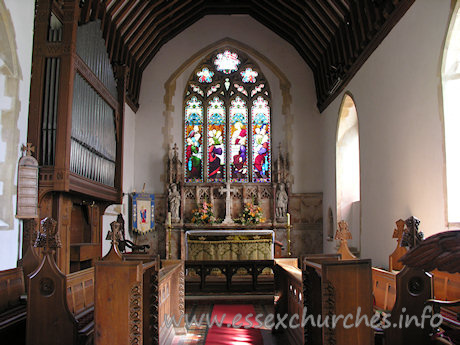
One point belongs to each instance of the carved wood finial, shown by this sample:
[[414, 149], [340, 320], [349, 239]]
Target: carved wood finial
[[28, 149], [343, 234], [47, 236], [412, 236], [399, 231], [114, 235]]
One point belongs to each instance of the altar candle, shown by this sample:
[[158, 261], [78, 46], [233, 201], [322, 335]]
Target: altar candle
[[169, 218], [288, 219]]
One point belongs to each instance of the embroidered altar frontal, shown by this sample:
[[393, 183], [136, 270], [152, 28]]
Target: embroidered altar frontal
[[222, 245]]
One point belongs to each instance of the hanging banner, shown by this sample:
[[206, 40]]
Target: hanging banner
[[143, 212]]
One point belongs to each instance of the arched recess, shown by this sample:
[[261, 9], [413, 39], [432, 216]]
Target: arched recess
[[451, 89], [348, 169], [10, 76], [170, 88]]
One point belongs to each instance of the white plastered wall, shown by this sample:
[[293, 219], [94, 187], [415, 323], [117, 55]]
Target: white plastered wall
[[398, 97], [153, 132], [22, 16]]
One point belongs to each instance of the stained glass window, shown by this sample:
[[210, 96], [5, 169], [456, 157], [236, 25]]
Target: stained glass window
[[216, 140], [227, 62], [205, 75], [249, 75], [193, 140], [260, 116], [220, 93], [239, 140]]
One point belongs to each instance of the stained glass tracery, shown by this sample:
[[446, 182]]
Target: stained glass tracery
[[193, 140], [260, 116], [216, 140], [249, 75], [227, 121], [205, 75], [227, 62], [239, 140]]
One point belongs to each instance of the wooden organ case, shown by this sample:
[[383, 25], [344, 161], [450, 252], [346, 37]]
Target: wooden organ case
[[75, 121]]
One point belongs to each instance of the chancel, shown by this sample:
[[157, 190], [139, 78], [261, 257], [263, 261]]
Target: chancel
[[292, 156]]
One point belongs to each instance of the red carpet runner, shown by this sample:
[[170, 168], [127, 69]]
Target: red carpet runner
[[227, 335]]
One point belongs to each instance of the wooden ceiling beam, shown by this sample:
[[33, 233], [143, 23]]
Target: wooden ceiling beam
[[144, 20], [289, 30], [305, 52], [320, 35], [356, 24], [149, 36], [124, 25], [113, 30], [307, 36], [135, 24], [151, 22], [171, 32], [110, 14], [86, 12]]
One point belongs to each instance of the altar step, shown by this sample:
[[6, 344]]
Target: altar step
[[239, 285], [232, 298]]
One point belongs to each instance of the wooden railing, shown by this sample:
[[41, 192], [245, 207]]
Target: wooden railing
[[229, 276]]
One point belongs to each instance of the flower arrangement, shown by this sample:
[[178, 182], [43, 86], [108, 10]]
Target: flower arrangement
[[203, 214], [252, 214]]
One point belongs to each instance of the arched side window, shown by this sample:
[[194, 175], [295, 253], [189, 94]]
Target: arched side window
[[227, 127], [451, 92], [347, 169]]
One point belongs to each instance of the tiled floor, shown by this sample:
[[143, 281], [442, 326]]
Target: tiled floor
[[196, 334]]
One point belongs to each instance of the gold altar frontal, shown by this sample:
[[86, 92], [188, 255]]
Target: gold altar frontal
[[225, 245]]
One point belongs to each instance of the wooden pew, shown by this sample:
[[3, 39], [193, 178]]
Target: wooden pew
[[338, 288], [384, 289], [447, 288], [325, 286], [60, 308], [13, 309], [80, 301], [133, 297]]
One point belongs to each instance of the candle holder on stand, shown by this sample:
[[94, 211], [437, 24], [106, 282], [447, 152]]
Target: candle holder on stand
[[288, 228]]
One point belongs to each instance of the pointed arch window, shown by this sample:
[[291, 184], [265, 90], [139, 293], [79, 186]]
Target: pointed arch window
[[451, 90], [348, 169], [227, 121]]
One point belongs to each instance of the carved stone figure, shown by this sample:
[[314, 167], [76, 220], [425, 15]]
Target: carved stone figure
[[281, 203], [174, 202]]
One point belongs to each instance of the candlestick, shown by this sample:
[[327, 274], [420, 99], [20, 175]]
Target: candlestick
[[169, 236], [288, 228]]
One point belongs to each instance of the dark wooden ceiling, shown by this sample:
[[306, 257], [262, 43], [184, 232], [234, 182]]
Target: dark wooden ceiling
[[334, 37]]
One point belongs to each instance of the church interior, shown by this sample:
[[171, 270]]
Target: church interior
[[287, 168]]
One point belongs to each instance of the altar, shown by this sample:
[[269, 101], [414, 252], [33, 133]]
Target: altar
[[229, 244]]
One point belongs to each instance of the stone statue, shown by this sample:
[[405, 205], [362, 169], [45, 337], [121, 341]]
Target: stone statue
[[281, 203], [174, 202]]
